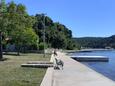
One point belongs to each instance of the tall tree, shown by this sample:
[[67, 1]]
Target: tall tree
[[56, 35], [19, 26], [3, 6], [12, 7], [21, 9]]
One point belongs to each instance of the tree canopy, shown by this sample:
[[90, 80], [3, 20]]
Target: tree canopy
[[57, 35], [16, 25], [22, 29]]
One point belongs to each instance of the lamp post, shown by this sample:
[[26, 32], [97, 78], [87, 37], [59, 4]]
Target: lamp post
[[1, 55], [44, 31]]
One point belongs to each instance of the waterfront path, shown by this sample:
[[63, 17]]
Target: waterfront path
[[77, 74]]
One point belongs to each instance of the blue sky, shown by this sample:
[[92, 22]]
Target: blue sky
[[84, 17]]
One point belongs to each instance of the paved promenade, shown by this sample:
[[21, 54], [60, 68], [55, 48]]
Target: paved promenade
[[77, 74]]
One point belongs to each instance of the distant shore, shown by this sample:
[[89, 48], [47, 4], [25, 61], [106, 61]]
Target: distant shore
[[87, 50]]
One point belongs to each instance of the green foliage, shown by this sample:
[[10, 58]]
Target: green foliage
[[12, 7], [42, 45], [95, 42], [21, 9], [16, 25], [22, 29], [71, 45], [29, 37], [3, 6], [57, 35]]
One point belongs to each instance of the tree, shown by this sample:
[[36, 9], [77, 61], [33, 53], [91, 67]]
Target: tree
[[24, 37], [29, 37], [21, 9], [25, 30], [19, 26], [96, 42], [3, 8], [57, 35], [2, 24], [12, 7]]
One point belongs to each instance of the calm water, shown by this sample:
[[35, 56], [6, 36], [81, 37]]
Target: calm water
[[105, 68]]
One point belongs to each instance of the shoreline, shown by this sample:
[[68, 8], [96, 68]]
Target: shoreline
[[87, 50]]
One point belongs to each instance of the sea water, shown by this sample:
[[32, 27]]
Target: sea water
[[105, 68]]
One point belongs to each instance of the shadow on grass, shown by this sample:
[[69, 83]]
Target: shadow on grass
[[14, 54], [4, 59]]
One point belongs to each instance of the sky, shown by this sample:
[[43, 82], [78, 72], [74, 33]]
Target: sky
[[85, 18]]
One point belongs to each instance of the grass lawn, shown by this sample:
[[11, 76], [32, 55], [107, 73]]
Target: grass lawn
[[12, 74]]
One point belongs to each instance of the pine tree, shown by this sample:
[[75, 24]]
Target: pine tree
[[2, 6]]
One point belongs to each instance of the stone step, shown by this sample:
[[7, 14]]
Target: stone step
[[39, 62], [37, 65]]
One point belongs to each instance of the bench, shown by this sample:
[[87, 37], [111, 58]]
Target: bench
[[58, 64]]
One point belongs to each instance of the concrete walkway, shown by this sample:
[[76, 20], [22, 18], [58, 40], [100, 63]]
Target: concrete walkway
[[77, 74]]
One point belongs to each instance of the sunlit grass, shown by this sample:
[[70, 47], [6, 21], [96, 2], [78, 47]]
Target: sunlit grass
[[12, 74]]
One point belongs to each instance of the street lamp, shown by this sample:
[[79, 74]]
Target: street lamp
[[44, 27]]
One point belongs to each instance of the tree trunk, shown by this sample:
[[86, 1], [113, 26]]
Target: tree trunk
[[18, 50], [1, 55]]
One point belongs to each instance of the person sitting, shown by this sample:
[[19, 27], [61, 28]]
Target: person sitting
[[55, 53]]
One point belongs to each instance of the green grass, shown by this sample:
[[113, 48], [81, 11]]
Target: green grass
[[12, 74]]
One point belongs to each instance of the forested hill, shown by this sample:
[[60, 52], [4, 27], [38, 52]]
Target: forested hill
[[95, 42]]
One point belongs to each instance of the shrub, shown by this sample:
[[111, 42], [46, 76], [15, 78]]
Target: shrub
[[41, 46]]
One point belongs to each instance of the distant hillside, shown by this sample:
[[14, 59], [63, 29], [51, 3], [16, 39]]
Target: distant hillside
[[95, 42]]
